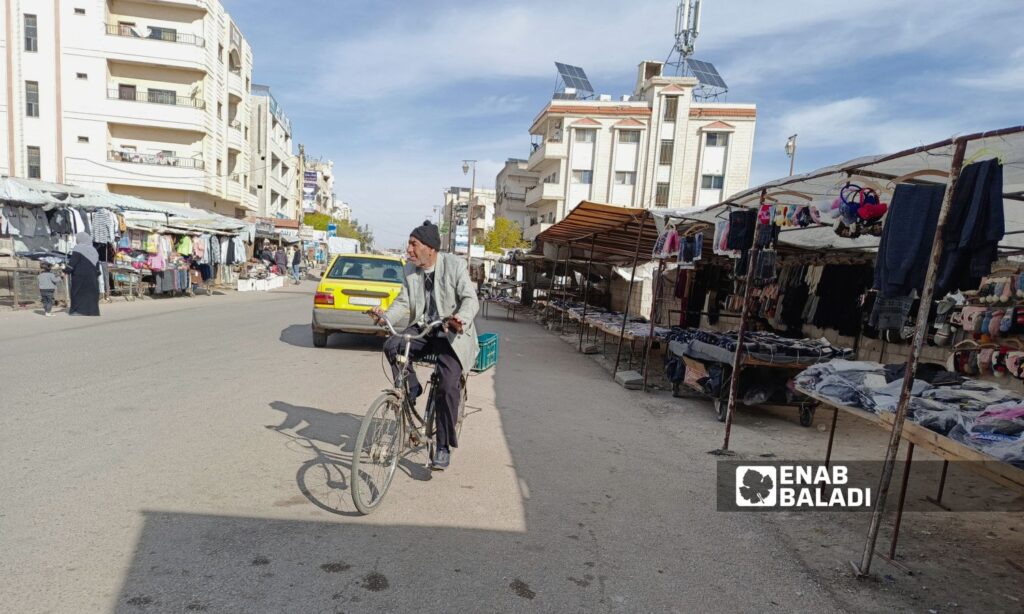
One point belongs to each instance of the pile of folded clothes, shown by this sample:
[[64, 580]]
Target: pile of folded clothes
[[978, 414], [768, 347], [636, 326]]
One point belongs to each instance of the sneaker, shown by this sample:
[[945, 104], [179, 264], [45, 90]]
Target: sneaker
[[49, 315], [441, 459]]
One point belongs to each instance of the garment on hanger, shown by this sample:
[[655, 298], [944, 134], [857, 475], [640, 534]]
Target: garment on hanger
[[974, 229], [104, 226], [742, 223]]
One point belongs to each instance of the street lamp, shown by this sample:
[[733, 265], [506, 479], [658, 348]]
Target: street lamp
[[791, 152], [469, 211]]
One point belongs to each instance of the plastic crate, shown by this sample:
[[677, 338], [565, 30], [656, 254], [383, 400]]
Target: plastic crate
[[488, 356]]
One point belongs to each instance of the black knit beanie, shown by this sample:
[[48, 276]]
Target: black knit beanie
[[427, 234]]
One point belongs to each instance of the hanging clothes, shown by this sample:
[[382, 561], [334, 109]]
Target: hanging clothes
[[741, 229], [104, 226], [974, 229]]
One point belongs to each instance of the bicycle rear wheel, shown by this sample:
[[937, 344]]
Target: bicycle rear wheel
[[375, 457]]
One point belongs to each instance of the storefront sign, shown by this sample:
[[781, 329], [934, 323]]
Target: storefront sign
[[265, 229], [332, 230]]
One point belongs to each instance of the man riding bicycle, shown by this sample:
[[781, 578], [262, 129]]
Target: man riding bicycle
[[436, 285]]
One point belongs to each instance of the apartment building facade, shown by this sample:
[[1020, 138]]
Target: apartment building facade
[[456, 213], [274, 163], [656, 148], [510, 187], [148, 98]]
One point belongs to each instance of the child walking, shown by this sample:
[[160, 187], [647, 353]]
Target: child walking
[[48, 282]]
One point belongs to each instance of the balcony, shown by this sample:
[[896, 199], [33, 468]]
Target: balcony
[[158, 159], [530, 232], [235, 139], [169, 35], [544, 191], [548, 150], [155, 97], [236, 83]]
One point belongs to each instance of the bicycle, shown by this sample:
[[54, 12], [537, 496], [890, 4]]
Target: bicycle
[[382, 439]]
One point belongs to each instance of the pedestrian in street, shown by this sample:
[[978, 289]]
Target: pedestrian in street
[[296, 264], [267, 256], [48, 283], [281, 260], [83, 266]]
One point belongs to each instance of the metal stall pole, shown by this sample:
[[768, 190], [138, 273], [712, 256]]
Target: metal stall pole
[[565, 292], [737, 359], [629, 293], [586, 291], [915, 354], [551, 283], [654, 311]]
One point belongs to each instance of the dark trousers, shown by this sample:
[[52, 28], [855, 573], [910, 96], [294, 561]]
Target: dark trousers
[[47, 296], [449, 368]]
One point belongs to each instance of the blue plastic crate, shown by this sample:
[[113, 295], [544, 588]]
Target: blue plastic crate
[[488, 356]]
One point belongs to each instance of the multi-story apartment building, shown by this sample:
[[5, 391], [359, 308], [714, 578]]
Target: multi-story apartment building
[[342, 211], [510, 187], [140, 97], [456, 212], [273, 163], [323, 196], [655, 148]]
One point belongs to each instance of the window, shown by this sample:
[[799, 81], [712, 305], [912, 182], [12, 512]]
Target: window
[[34, 170], [83, 139], [220, 53], [127, 147], [552, 178], [31, 33], [220, 165], [220, 110], [81, 75], [161, 96], [32, 98], [79, 11], [717, 139], [661, 195], [665, 154], [582, 176], [125, 92], [671, 106], [127, 28], [366, 269], [164, 34], [629, 136], [625, 178], [585, 136], [712, 182]]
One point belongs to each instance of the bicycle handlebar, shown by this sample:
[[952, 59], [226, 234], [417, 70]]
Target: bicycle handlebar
[[426, 329]]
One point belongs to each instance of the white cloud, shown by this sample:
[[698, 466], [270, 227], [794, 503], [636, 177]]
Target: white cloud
[[1008, 78]]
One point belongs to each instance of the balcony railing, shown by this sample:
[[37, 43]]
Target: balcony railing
[[236, 125], [158, 34], [158, 159], [156, 97]]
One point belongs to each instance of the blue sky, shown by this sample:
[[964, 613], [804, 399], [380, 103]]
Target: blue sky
[[398, 93]]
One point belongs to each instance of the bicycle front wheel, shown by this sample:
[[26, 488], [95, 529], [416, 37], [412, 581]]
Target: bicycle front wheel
[[375, 457]]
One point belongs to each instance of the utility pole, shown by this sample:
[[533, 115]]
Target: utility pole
[[791, 152], [300, 214], [469, 212]]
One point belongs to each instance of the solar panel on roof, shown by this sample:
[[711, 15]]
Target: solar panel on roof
[[573, 76], [706, 73]]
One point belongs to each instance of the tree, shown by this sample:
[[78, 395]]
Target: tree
[[349, 229], [506, 234]]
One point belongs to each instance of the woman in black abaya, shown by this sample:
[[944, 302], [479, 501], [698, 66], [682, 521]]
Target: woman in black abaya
[[83, 265]]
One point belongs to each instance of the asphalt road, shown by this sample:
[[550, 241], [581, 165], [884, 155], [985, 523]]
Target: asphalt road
[[192, 455]]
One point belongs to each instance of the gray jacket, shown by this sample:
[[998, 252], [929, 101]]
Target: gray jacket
[[454, 293]]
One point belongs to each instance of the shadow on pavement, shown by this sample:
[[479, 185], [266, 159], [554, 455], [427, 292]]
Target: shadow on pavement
[[301, 335]]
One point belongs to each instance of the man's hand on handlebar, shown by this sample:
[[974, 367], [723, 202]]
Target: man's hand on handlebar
[[377, 314], [455, 323]]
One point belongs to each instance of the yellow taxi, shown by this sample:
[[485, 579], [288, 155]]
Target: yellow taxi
[[352, 284]]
